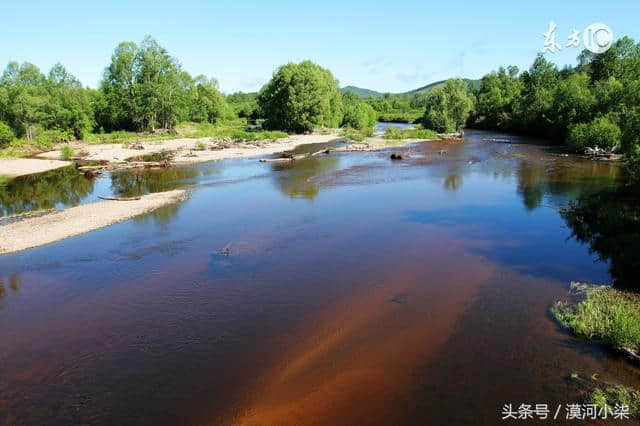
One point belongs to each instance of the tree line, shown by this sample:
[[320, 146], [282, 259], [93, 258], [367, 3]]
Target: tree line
[[597, 102], [144, 88]]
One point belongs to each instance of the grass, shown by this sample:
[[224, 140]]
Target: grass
[[126, 138], [607, 397], [415, 133], [616, 395], [159, 157], [235, 130], [605, 314], [356, 134], [200, 146], [3, 181], [67, 153]]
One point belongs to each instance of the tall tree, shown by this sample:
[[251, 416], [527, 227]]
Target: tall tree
[[301, 97]]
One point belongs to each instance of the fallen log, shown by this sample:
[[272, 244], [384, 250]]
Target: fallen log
[[120, 198]]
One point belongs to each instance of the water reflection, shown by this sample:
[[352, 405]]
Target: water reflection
[[131, 183], [67, 187], [132, 326], [609, 222], [295, 179], [453, 183], [161, 216], [13, 282], [64, 186], [562, 180]]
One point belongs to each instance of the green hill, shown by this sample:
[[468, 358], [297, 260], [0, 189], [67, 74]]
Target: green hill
[[368, 93], [363, 93]]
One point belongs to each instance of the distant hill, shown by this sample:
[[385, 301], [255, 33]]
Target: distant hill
[[363, 93], [368, 93]]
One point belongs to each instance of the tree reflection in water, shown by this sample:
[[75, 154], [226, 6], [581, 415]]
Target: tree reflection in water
[[42, 191], [132, 183], [295, 178], [609, 221]]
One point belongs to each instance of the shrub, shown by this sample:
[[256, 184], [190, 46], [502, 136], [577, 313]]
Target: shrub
[[46, 138], [600, 132], [6, 134], [358, 114], [67, 153], [448, 106], [356, 134], [416, 133]]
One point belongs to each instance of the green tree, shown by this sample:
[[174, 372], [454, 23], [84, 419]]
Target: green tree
[[539, 86], [119, 87], [300, 97], [206, 103], [244, 105], [6, 134], [496, 99], [69, 104], [573, 103], [600, 132], [357, 114], [448, 106]]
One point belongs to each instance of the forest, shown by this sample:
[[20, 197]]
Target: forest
[[144, 89]]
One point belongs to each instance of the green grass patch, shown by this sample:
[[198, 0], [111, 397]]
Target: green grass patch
[[160, 156], [356, 134], [200, 146], [67, 153], [606, 399], [415, 133], [236, 131], [127, 138], [3, 181], [605, 314]]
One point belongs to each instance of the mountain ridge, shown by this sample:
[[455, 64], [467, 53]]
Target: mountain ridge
[[369, 93]]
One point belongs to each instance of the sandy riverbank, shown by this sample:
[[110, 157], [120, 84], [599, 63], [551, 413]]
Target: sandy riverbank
[[41, 230], [186, 151], [14, 167], [191, 150]]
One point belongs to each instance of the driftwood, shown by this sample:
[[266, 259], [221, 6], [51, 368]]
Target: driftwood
[[323, 151], [95, 170], [120, 198], [271, 160], [287, 157]]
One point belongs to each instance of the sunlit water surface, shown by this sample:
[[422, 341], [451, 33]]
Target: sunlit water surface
[[343, 289]]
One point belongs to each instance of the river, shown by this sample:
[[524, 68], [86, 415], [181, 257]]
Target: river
[[342, 289]]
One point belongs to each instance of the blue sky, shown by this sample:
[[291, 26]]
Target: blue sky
[[387, 45]]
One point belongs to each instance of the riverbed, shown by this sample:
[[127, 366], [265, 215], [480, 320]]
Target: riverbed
[[340, 289]]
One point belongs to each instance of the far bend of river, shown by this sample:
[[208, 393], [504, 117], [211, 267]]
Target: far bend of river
[[356, 290], [382, 126]]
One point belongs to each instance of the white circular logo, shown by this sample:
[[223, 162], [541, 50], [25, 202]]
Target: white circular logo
[[597, 38]]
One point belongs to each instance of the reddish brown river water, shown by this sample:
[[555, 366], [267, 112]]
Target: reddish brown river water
[[355, 291]]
